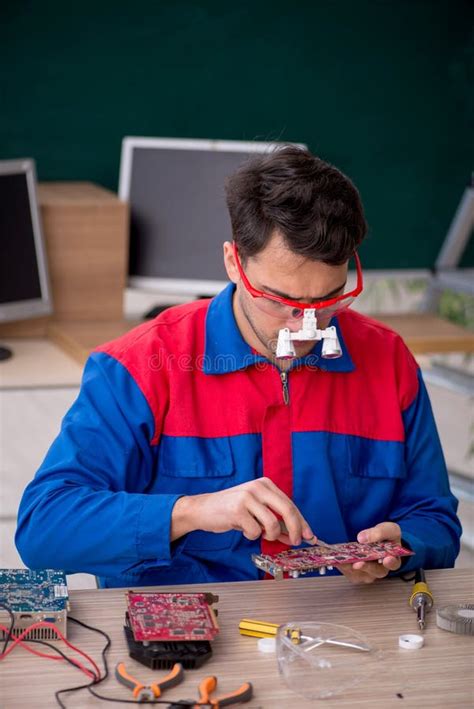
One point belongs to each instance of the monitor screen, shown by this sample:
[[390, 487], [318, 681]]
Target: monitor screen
[[178, 215], [24, 288]]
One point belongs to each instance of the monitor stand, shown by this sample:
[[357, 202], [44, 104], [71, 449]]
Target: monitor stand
[[5, 353]]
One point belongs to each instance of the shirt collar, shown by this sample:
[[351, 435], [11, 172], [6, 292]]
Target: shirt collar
[[227, 351]]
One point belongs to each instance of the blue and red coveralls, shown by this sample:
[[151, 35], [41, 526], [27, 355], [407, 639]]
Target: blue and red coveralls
[[182, 405]]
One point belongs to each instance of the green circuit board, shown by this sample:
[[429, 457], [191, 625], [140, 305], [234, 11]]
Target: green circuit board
[[27, 591]]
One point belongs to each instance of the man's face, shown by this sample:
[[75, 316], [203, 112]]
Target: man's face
[[279, 271]]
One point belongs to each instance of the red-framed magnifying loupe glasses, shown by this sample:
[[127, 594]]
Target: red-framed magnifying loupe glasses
[[282, 308]]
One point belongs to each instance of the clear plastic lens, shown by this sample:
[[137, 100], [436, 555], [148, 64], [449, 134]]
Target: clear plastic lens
[[321, 660], [287, 312], [278, 310], [336, 308]]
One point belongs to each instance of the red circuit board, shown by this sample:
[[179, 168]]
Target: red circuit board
[[171, 616], [304, 560]]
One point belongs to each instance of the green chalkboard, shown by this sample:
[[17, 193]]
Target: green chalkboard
[[383, 89]]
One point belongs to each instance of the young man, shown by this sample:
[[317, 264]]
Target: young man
[[192, 445]]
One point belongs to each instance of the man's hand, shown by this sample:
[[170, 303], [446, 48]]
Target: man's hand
[[253, 507], [369, 571]]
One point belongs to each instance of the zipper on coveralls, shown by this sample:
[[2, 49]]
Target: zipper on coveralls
[[284, 383]]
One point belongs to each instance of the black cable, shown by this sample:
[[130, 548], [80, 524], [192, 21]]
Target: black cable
[[408, 579], [9, 635], [106, 646], [71, 689], [168, 702], [420, 576], [97, 681], [56, 649], [12, 624]]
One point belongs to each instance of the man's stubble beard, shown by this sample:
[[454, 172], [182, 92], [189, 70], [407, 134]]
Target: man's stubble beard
[[270, 344]]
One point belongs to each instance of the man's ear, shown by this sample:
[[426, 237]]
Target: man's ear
[[229, 263]]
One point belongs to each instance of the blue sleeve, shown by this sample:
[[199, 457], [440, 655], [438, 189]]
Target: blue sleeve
[[425, 508], [87, 509]]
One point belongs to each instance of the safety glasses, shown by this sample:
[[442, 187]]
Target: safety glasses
[[285, 309]]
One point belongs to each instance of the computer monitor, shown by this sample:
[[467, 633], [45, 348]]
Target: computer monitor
[[179, 218], [24, 284]]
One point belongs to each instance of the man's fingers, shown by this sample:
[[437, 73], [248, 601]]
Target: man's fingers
[[369, 571], [385, 531], [257, 508], [249, 526], [392, 563], [272, 527], [308, 534], [269, 523], [372, 568], [284, 539], [294, 522], [354, 575]]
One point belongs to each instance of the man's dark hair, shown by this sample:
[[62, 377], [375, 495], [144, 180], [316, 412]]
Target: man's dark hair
[[314, 206]]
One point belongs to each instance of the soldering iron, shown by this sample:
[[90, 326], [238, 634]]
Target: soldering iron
[[421, 599]]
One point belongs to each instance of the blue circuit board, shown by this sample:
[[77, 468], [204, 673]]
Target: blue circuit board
[[27, 591]]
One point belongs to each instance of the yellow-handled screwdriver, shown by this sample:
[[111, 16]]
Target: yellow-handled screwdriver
[[421, 599]]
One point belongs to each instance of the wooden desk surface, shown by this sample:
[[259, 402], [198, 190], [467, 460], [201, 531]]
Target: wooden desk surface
[[438, 675], [425, 332], [38, 363]]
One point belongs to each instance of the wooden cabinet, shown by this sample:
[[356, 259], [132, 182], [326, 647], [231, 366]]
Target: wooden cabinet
[[86, 233]]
